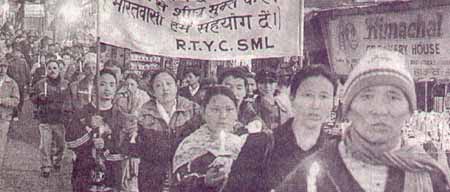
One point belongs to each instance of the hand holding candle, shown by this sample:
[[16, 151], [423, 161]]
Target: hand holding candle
[[45, 88], [222, 142], [311, 179], [89, 93], [81, 66]]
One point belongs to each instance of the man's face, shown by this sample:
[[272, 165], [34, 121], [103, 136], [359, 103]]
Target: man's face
[[378, 113], [90, 68], [53, 70], [192, 79], [237, 85], [251, 86], [107, 87], [267, 88]]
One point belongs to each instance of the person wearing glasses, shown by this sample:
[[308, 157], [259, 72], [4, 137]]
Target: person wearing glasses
[[48, 96], [9, 99]]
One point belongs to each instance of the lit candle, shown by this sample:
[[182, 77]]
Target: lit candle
[[311, 180], [81, 66], [89, 93], [222, 142], [45, 88]]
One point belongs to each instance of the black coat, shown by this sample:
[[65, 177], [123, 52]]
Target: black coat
[[186, 93], [287, 154], [336, 177], [249, 169]]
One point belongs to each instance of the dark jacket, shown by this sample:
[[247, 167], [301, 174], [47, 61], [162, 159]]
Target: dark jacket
[[186, 93], [19, 69], [79, 140], [334, 176], [246, 172], [273, 115], [49, 107], [287, 154], [157, 140], [249, 171], [79, 95]]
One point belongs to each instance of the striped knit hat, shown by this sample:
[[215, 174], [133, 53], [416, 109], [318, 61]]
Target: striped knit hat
[[379, 67]]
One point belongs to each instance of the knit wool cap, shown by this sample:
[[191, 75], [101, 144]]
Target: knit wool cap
[[379, 67]]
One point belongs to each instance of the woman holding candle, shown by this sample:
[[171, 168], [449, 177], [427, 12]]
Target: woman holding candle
[[379, 96], [162, 123], [204, 160]]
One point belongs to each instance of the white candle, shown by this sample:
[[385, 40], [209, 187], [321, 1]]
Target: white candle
[[89, 93], [222, 142], [311, 180], [45, 88], [81, 66]]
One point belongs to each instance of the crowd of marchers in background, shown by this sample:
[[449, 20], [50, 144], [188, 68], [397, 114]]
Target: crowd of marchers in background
[[243, 132]]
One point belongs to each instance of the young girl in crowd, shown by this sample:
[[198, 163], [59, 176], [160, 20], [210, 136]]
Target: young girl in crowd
[[204, 160]]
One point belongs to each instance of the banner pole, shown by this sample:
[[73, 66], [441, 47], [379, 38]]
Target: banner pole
[[97, 99], [426, 96], [301, 32]]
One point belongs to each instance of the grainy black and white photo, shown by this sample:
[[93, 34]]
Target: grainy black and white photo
[[224, 95]]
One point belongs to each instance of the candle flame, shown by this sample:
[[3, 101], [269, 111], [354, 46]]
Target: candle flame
[[312, 177], [314, 169]]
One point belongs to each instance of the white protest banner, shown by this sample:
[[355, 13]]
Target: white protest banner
[[422, 35], [225, 29]]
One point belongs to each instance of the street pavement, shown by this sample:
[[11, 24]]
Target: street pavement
[[21, 167]]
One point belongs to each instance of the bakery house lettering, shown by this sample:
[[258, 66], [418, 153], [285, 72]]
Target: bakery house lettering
[[421, 28]]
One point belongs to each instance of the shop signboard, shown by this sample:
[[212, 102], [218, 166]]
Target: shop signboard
[[221, 30], [422, 35], [34, 10]]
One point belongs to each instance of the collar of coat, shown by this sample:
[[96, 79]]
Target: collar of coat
[[182, 105], [340, 176]]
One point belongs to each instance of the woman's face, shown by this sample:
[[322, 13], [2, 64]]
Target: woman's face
[[220, 114], [379, 112], [313, 101], [164, 88], [107, 87], [132, 85]]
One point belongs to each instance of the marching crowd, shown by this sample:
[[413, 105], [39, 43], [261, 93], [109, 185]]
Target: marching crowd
[[244, 132]]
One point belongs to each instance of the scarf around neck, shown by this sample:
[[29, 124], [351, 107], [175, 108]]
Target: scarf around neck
[[412, 159], [201, 142]]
